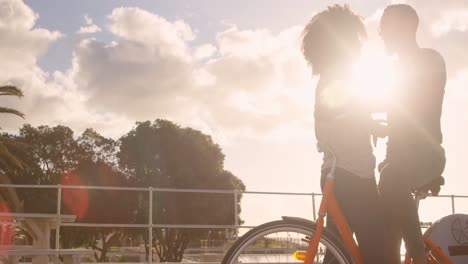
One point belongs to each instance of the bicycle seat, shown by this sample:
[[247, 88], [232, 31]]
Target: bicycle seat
[[433, 187]]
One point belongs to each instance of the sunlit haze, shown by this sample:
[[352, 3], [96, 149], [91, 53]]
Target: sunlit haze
[[375, 76]]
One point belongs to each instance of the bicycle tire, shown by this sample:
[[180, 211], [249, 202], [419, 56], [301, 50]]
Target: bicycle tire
[[288, 224]]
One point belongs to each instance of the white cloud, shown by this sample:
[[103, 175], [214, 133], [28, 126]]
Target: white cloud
[[143, 27], [14, 14], [151, 71], [89, 29], [136, 76], [203, 78], [245, 43], [49, 98], [90, 26], [20, 43], [454, 129], [247, 83], [204, 51], [257, 89], [88, 20], [131, 80], [451, 20]]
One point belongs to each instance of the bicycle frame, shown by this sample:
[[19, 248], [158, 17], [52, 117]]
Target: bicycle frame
[[330, 205]]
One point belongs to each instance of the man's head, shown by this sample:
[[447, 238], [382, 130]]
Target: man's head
[[331, 38], [398, 27]]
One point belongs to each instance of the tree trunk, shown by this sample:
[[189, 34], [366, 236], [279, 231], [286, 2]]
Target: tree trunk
[[170, 245], [145, 239]]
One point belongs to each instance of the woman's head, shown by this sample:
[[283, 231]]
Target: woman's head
[[332, 38]]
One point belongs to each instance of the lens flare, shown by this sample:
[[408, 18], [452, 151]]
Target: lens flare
[[6, 228], [375, 78], [75, 200]]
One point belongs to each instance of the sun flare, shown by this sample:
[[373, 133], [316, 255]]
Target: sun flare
[[372, 85], [374, 77]]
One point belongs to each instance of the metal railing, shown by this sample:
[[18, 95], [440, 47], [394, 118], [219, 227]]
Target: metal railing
[[150, 190]]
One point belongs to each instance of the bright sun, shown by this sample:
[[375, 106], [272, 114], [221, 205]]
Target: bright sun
[[374, 77], [373, 83]]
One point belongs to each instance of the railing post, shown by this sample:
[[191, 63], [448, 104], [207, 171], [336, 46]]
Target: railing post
[[236, 219], [150, 225], [317, 258], [59, 212], [453, 203], [313, 207]]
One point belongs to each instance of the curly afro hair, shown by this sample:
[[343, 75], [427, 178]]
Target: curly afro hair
[[331, 37]]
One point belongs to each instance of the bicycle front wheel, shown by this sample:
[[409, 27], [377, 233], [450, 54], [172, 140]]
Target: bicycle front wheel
[[276, 242]]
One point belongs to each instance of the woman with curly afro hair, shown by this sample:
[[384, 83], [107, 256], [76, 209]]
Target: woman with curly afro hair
[[331, 44]]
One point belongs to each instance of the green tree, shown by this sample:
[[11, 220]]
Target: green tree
[[95, 160], [165, 155], [10, 150], [53, 155], [98, 206], [49, 153], [99, 148], [54, 150]]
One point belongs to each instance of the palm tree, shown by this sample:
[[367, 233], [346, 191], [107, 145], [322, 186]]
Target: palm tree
[[6, 156], [12, 91]]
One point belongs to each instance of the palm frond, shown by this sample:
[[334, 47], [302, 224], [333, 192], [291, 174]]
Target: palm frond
[[10, 90], [6, 110]]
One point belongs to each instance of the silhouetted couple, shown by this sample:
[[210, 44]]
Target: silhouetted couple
[[379, 215]]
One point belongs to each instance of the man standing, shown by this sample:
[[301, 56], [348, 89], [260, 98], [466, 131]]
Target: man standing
[[415, 156]]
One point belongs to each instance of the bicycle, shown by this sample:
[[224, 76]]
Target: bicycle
[[264, 244]]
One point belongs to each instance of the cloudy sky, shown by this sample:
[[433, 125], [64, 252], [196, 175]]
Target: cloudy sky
[[232, 69]]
